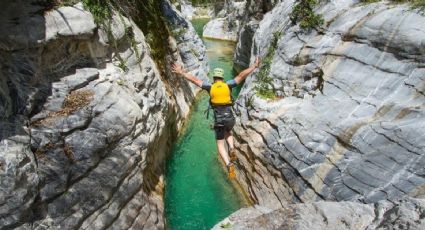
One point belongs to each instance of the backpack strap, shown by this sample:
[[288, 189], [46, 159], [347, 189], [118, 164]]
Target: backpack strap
[[207, 111]]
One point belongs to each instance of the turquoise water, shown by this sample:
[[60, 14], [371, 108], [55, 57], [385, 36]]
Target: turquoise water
[[198, 192]]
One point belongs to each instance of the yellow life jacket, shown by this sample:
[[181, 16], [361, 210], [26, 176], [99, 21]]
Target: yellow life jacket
[[220, 94]]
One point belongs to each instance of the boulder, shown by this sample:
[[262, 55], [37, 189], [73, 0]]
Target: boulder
[[69, 21]]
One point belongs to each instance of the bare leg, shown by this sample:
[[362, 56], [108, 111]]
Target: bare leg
[[229, 139], [223, 151], [232, 152]]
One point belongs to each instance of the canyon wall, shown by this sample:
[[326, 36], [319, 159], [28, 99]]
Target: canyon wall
[[346, 119], [87, 115]]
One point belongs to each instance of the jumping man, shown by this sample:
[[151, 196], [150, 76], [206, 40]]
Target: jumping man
[[221, 102]]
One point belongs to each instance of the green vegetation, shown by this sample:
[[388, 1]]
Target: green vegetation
[[303, 13], [155, 29], [64, 2], [205, 2], [100, 9], [122, 64], [226, 225], [262, 88]]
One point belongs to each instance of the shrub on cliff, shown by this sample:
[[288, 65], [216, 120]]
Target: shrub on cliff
[[263, 87], [303, 13]]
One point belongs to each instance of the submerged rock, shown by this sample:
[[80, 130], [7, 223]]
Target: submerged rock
[[87, 117]]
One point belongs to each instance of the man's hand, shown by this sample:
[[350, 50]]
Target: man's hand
[[257, 62], [242, 75], [178, 69]]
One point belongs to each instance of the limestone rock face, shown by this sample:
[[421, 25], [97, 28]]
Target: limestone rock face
[[86, 118], [69, 21], [348, 121], [186, 9], [253, 14], [227, 23], [405, 214]]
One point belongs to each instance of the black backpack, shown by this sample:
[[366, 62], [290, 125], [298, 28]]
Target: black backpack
[[223, 116]]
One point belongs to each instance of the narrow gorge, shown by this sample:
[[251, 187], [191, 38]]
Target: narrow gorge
[[97, 132], [198, 193]]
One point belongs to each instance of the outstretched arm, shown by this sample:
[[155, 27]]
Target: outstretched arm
[[178, 69], [242, 75]]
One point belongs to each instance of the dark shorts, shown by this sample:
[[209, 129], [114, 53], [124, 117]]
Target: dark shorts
[[223, 121], [221, 130]]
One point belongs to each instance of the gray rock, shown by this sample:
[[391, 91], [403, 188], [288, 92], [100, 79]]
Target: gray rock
[[227, 25], [18, 173], [253, 14], [186, 9], [32, 24], [347, 125], [405, 214], [87, 124], [69, 21]]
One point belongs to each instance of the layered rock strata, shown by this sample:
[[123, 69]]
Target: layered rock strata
[[404, 214], [87, 117], [346, 123]]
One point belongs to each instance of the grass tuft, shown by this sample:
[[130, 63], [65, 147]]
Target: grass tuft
[[100, 10]]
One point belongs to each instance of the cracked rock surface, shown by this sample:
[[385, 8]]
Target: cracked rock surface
[[86, 118], [403, 214], [348, 120]]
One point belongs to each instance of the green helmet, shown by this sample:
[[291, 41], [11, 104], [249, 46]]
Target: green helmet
[[218, 72]]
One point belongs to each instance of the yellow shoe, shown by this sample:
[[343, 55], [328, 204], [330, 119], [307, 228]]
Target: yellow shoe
[[231, 170], [232, 155]]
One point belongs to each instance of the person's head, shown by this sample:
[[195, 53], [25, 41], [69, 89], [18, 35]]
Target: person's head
[[218, 74]]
